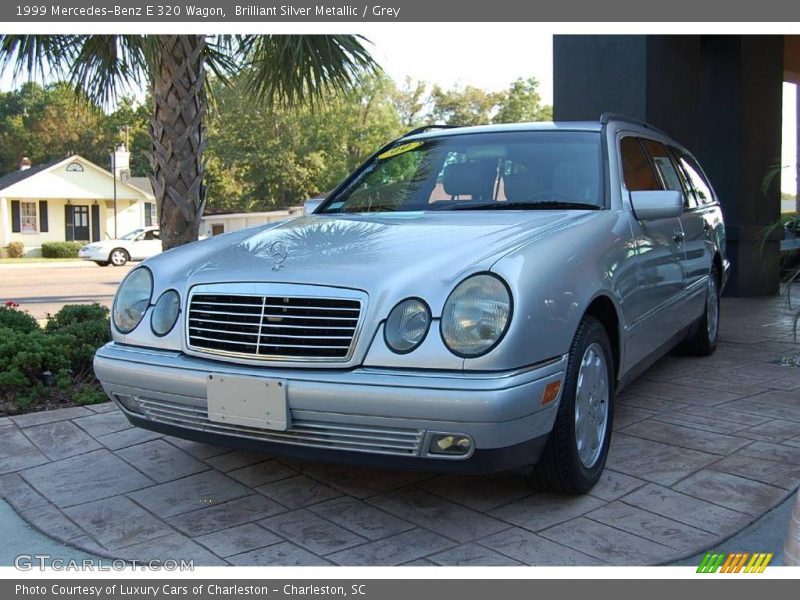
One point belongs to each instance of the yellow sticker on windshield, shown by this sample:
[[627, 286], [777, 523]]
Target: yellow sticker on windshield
[[399, 149]]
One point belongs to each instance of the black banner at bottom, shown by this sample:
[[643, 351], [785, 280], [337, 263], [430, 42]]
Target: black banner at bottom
[[396, 589]]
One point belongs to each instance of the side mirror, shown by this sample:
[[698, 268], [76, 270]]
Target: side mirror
[[310, 205], [653, 205]]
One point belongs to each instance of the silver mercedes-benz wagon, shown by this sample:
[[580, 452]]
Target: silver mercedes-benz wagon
[[470, 299]]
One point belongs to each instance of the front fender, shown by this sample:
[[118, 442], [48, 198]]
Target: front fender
[[553, 282]]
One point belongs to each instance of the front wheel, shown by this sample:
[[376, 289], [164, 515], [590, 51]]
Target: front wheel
[[118, 257], [576, 451]]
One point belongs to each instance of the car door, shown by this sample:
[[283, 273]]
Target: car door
[[658, 252], [146, 245], [699, 220]]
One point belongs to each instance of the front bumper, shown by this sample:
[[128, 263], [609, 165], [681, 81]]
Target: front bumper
[[101, 255], [380, 417]]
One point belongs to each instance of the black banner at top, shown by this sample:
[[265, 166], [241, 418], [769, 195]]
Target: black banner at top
[[321, 11]]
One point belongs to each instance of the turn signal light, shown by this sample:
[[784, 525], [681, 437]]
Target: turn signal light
[[551, 392]]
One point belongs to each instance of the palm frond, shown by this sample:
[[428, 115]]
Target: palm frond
[[105, 66], [220, 56], [291, 70], [34, 56]]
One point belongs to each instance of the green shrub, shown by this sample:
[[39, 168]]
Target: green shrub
[[88, 394], [61, 249], [50, 366], [73, 314], [11, 318], [15, 250], [87, 325]]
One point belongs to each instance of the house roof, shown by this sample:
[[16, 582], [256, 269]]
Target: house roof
[[11, 180], [143, 183], [19, 175]]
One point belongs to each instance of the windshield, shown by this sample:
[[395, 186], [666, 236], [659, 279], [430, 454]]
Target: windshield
[[483, 171], [132, 235]]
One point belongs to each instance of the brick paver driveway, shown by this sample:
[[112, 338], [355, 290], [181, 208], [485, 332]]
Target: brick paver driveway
[[702, 448]]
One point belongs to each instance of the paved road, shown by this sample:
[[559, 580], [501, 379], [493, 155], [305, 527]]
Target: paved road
[[45, 289]]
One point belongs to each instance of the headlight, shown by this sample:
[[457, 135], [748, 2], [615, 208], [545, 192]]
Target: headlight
[[407, 325], [476, 315], [165, 313], [133, 298]]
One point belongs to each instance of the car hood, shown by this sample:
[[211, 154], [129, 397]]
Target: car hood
[[367, 252]]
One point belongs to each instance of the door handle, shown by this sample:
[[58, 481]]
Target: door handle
[[678, 236]]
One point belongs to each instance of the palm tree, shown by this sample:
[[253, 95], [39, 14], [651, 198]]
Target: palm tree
[[288, 70]]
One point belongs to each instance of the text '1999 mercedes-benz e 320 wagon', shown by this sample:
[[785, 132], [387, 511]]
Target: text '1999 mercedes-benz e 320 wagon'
[[470, 299]]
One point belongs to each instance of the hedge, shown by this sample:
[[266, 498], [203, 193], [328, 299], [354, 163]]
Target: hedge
[[61, 249], [50, 367]]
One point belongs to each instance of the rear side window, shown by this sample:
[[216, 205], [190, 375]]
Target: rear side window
[[700, 188], [662, 162], [636, 167]]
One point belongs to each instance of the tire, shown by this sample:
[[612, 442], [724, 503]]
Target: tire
[[101, 263], [570, 463], [702, 340], [118, 257]]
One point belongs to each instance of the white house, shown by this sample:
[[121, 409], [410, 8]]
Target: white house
[[72, 199]]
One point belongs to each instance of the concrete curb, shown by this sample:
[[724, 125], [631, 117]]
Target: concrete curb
[[71, 264]]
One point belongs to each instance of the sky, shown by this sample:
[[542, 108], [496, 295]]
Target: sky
[[491, 58], [478, 56]]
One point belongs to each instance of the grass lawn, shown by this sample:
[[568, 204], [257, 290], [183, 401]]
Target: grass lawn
[[24, 261]]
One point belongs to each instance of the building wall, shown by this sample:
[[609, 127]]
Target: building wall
[[130, 216], [234, 222]]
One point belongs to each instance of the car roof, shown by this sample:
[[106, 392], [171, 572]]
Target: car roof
[[509, 127]]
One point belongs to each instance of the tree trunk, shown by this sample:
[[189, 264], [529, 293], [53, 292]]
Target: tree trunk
[[177, 132]]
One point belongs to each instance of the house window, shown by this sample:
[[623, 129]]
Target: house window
[[27, 217], [150, 214]]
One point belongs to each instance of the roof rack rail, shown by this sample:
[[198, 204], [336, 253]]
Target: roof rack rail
[[609, 116], [425, 128]]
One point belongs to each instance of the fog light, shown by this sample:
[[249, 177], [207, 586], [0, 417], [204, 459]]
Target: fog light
[[452, 444], [128, 402]]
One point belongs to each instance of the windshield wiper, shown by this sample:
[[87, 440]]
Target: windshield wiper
[[531, 204]]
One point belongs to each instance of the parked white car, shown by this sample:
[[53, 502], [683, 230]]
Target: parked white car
[[136, 245]]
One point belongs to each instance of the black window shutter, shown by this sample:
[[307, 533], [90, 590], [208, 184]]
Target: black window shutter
[[69, 234], [43, 226], [15, 220], [148, 214], [95, 222]]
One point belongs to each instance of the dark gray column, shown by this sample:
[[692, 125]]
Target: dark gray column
[[718, 95]]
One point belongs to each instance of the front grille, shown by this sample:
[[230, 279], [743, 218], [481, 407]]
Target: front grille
[[337, 436], [273, 327]]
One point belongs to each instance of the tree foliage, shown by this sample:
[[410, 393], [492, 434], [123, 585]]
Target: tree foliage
[[258, 157], [47, 123], [273, 157]]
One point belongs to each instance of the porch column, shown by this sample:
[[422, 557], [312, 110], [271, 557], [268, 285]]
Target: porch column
[[5, 223]]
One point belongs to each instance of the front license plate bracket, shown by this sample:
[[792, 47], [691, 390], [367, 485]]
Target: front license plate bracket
[[248, 401]]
